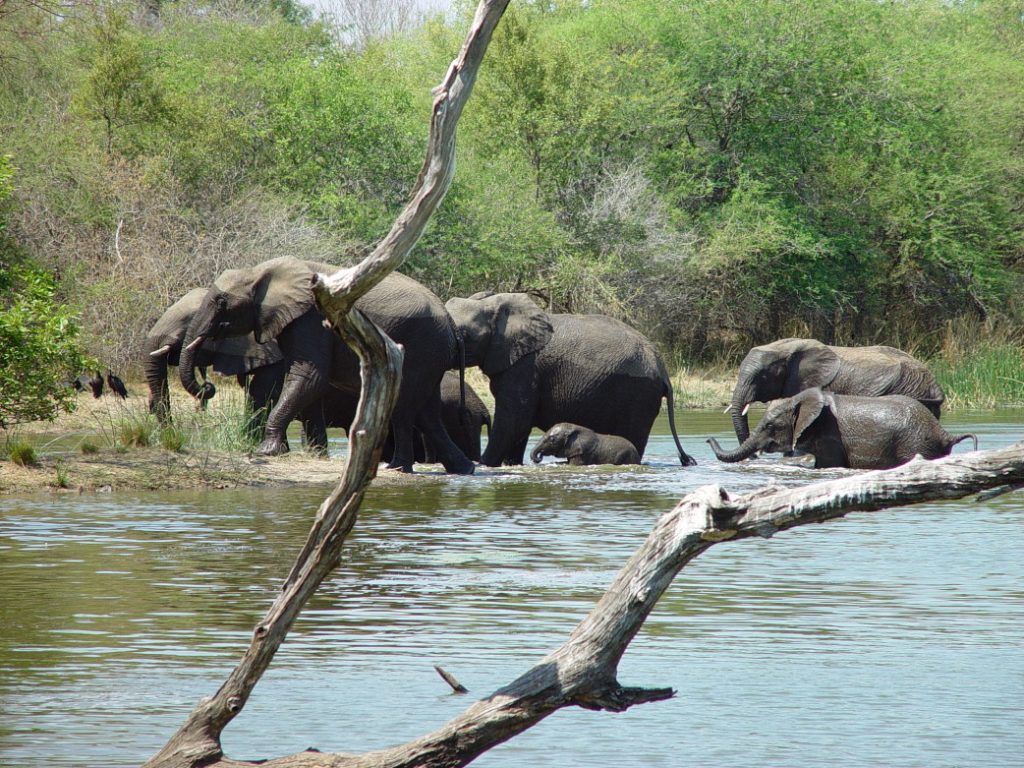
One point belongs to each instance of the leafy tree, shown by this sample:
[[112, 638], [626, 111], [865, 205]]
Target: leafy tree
[[39, 351]]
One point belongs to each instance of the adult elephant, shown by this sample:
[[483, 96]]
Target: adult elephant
[[463, 415], [274, 300], [545, 368], [788, 366], [847, 431], [258, 366]]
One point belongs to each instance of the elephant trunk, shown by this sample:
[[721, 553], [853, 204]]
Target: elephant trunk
[[197, 333], [155, 368], [744, 451], [742, 397], [539, 452]]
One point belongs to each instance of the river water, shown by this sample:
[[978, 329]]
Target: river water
[[890, 639]]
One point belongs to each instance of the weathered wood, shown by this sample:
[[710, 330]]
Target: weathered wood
[[197, 742], [449, 678], [583, 671]]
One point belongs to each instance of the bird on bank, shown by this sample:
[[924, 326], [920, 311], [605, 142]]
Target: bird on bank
[[116, 385], [95, 384]]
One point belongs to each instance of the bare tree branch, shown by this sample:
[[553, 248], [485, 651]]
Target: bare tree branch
[[197, 742]]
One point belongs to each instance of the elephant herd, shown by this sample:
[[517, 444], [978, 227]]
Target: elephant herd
[[595, 384]]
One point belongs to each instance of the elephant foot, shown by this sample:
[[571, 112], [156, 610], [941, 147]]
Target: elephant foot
[[460, 468], [272, 447], [405, 468]]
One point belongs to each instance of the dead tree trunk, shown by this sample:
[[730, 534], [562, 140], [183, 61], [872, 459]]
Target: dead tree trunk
[[583, 671], [197, 742]]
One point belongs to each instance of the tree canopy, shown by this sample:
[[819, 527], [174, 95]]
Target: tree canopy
[[718, 174]]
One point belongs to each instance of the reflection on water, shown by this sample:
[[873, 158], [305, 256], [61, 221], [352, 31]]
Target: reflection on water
[[894, 637]]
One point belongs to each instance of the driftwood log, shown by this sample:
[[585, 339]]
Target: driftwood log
[[582, 672]]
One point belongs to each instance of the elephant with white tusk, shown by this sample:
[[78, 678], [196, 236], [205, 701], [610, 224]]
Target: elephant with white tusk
[[274, 301], [788, 366]]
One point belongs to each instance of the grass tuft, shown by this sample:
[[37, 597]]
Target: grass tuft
[[21, 453], [980, 368]]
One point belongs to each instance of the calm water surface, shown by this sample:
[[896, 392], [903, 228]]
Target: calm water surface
[[887, 639]]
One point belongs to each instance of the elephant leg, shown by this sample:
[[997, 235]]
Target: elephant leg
[[262, 391], [438, 442], [304, 384], [515, 402]]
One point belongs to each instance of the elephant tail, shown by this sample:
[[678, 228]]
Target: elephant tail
[[685, 459], [463, 411], [954, 439]]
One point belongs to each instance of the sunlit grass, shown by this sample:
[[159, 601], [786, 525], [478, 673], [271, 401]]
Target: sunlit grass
[[20, 452], [990, 375]]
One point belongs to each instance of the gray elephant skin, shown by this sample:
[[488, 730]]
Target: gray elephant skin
[[583, 446], [788, 366], [274, 300], [847, 431], [545, 368], [257, 366]]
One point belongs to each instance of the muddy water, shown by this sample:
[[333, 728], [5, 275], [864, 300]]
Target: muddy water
[[887, 639]]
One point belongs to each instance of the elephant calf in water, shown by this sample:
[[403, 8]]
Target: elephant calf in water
[[848, 431], [584, 446]]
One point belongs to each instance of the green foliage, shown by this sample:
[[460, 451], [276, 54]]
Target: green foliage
[[120, 89], [718, 174], [39, 349]]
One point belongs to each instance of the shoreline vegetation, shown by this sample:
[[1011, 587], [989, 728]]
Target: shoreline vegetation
[[108, 444]]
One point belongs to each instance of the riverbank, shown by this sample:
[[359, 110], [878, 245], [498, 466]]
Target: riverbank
[[87, 450]]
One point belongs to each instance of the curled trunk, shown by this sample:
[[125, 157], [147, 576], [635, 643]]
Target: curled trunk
[[745, 450]]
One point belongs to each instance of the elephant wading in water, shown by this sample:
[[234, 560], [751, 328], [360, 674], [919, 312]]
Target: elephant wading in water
[[274, 300], [584, 446], [847, 431], [788, 366], [258, 366], [544, 369]]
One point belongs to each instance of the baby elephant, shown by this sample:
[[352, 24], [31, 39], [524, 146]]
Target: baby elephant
[[584, 446], [847, 431]]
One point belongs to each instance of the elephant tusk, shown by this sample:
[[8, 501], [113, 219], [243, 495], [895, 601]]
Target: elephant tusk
[[162, 351], [745, 409], [196, 342], [727, 409]]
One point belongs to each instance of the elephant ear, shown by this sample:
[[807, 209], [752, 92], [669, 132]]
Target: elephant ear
[[520, 328], [808, 406], [283, 292], [243, 354], [812, 365]]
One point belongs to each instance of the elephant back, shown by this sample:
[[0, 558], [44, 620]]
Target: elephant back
[[880, 370]]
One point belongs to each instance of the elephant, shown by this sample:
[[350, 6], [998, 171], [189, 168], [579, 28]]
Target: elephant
[[847, 431], [274, 300], [584, 446], [787, 366], [590, 370], [462, 413], [257, 366]]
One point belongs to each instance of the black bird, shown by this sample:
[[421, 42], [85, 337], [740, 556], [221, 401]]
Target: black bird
[[116, 385], [95, 384]]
